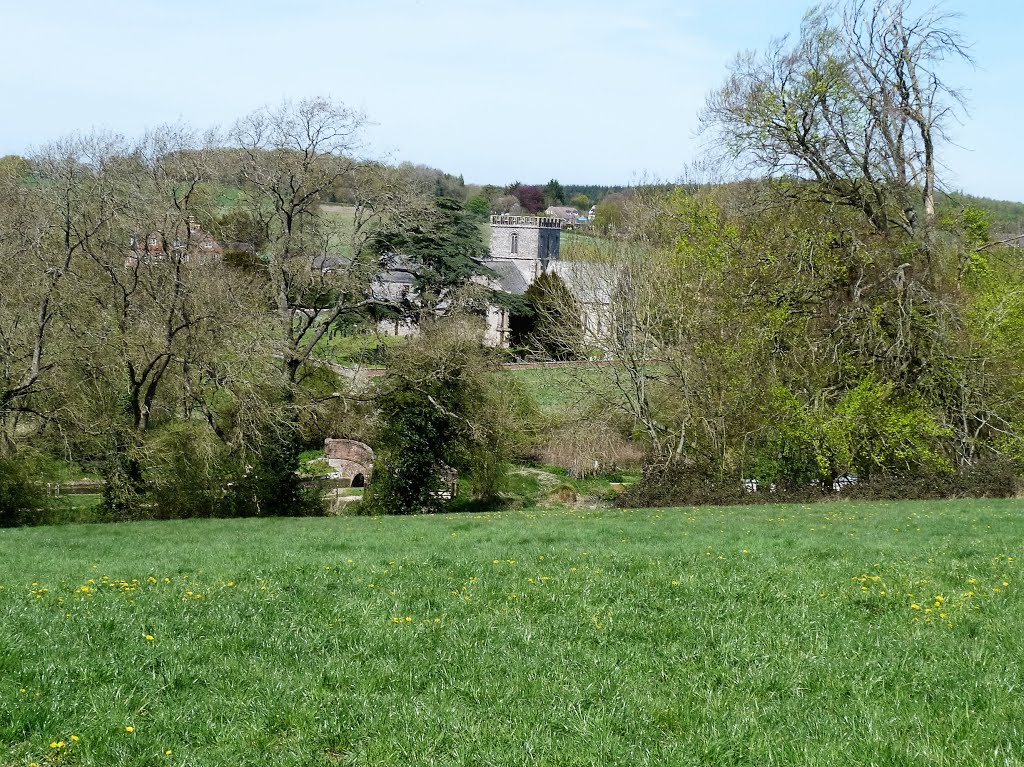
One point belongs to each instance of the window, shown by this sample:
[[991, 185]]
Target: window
[[515, 243]]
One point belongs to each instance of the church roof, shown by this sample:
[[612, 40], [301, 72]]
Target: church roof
[[510, 279], [589, 281]]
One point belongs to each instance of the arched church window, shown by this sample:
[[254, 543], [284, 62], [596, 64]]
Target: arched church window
[[515, 243]]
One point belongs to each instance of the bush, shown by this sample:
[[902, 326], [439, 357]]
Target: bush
[[124, 491], [190, 474], [445, 405], [21, 495], [271, 485], [681, 484]]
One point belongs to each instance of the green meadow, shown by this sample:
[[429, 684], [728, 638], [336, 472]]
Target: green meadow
[[833, 634]]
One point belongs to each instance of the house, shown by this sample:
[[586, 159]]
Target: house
[[187, 242], [569, 216]]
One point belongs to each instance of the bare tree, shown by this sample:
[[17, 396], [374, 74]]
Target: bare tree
[[318, 267], [857, 105]]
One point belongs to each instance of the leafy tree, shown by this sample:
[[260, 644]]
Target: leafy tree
[[581, 202], [554, 194], [530, 197], [442, 406], [857, 105], [479, 206], [15, 167], [867, 430], [610, 216], [442, 247]]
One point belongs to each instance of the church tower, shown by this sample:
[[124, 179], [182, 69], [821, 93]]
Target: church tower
[[522, 249], [529, 242]]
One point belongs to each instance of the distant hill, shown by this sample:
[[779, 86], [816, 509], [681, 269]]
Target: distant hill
[[1006, 218]]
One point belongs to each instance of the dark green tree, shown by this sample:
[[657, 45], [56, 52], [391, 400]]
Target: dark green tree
[[549, 321], [554, 194], [442, 247], [444, 405]]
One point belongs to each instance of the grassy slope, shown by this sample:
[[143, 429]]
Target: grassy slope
[[771, 635], [556, 390]]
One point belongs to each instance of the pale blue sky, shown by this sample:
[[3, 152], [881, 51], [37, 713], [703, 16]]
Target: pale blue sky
[[586, 91]]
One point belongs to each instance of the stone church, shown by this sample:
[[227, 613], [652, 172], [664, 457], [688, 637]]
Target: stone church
[[522, 248], [525, 247]]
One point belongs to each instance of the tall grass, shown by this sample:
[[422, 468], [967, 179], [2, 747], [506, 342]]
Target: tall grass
[[867, 634]]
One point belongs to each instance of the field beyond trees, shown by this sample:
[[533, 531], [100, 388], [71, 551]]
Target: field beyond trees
[[843, 633]]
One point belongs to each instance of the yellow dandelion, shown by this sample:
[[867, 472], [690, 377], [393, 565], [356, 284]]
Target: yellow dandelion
[[168, 752], [75, 738], [149, 637], [129, 728]]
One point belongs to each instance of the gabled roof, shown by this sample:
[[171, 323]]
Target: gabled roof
[[510, 279]]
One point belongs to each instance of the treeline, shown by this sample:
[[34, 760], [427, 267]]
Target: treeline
[[1005, 219], [188, 378]]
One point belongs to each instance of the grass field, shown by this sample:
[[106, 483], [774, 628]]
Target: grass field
[[557, 390], [841, 634]]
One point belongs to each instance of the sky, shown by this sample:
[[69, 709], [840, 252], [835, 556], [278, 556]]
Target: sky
[[585, 91]]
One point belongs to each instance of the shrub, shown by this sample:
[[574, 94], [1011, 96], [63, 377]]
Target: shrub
[[444, 405], [682, 484], [21, 495], [587, 449], [271, 486], [189, 474], [124, 491]]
